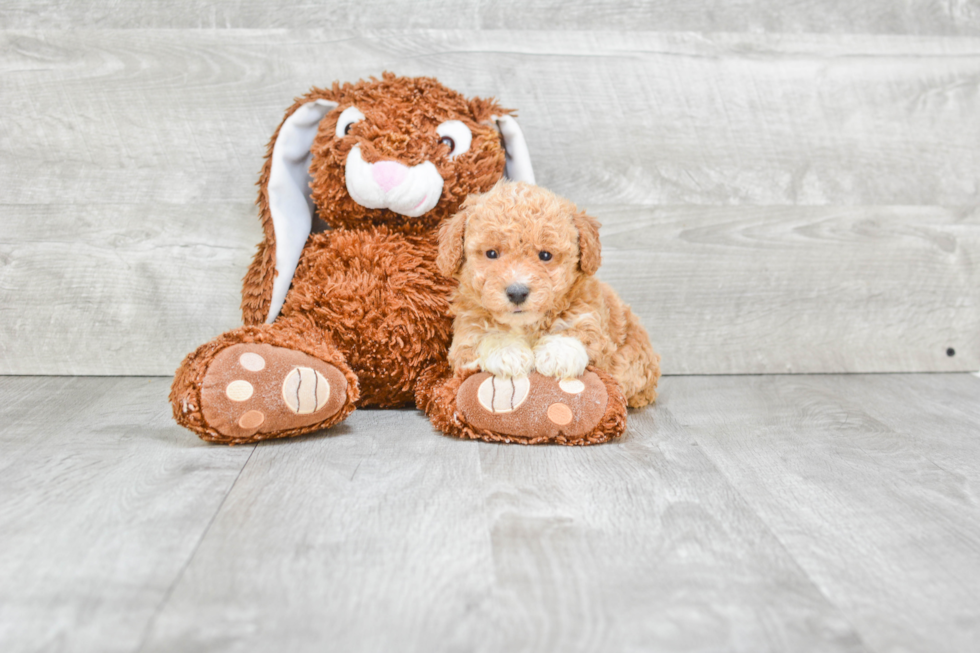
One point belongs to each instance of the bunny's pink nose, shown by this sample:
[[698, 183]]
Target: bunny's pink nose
[[388, 174]]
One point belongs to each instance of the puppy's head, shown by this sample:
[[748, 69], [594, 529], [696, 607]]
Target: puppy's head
[[517, 250]]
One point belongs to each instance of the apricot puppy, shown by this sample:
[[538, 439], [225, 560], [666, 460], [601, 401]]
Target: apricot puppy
[[528, 299]]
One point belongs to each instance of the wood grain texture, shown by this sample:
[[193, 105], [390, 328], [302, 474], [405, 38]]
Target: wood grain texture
[[885, 531], [372, 537], [387, 536], [929, 410], [118, 288], [641, 546], [176, 116], [108, 289], [811, 166], [800, 289], [102, 503], [960, 17], [742, 513]]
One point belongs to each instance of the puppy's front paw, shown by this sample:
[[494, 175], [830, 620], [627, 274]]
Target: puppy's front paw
[[506, 356], [561, 357]]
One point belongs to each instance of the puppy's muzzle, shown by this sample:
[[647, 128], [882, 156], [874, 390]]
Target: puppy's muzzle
[[517, 293]]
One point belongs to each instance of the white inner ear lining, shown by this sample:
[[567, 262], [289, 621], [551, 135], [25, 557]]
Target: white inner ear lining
[[518, 166], [289, 193]]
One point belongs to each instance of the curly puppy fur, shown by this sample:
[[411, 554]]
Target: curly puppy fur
[[367, 296], [528, 299]]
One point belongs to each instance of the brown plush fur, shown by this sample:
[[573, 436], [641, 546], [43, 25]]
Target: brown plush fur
[[401, 115], [516, 222], [367, 296]]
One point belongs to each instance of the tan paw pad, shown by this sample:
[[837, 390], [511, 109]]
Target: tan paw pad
[[560, 414], [239, 390], [251, 420], [252, 362], [503, 395], [305, 390], [571, 386]]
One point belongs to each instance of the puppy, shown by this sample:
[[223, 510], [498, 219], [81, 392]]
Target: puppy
[[528, 299]]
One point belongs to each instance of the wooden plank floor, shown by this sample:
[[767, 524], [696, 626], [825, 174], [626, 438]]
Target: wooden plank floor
[[742, 513]]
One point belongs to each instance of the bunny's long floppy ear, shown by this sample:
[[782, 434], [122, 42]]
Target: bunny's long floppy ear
[[518, 166], [289, 193]]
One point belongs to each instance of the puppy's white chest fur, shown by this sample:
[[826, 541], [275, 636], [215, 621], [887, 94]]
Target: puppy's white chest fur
[[513, 355]]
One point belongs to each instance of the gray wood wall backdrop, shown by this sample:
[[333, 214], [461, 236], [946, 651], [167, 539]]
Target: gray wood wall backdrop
[[786, 186]]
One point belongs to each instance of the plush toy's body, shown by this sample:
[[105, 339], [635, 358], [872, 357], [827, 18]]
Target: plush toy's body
[[358, 314], [360, 309]]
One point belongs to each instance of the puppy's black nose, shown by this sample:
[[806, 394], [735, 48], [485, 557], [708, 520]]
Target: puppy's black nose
[[517, 293]]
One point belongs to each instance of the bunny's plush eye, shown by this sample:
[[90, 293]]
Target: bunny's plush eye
[[347, 118], [456, 136], [492, 253]]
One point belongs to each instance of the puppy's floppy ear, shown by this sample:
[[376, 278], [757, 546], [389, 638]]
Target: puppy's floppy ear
[[450, 256], [590, 250]]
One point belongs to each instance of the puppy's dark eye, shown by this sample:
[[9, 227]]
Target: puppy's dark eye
[[347, 129], [544, 256], [446, 140], [491, 253]]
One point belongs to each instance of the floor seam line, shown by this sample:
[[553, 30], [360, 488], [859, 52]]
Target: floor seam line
[[491, 547], [769, 529], [197, 545]]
